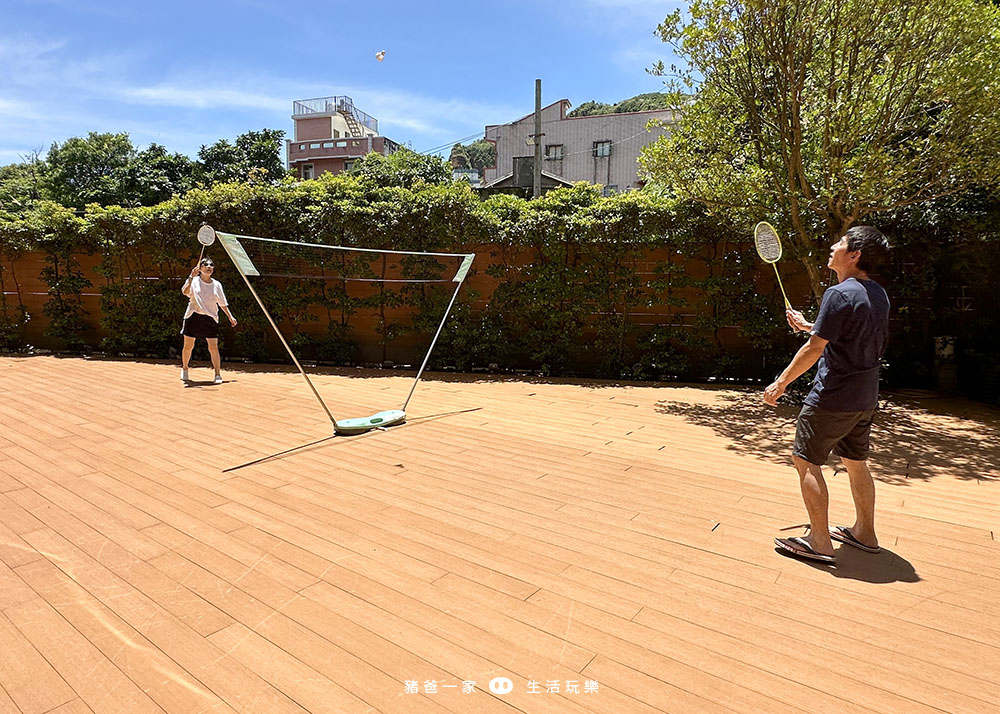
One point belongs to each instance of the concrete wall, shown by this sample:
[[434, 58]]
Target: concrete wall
[[313, 128], [326, 126], [330, 155], [577, 135]]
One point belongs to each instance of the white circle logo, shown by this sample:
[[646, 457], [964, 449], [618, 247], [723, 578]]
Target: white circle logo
[[501, 685]]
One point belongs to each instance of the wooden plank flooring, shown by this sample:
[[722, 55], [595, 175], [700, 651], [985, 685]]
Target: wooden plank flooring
[[607, 548]]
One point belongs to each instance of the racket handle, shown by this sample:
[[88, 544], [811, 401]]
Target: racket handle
[[202, 255], [788, 305]]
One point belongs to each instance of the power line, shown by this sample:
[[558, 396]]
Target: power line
[[449, 144], [610, 118], [614, 143]]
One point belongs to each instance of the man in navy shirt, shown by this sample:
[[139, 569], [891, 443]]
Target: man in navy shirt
[[848, 338]]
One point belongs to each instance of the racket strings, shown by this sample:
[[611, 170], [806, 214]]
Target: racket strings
[[768, 244]]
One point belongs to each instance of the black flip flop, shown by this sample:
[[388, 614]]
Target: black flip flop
[[842, 534], [799, 547]]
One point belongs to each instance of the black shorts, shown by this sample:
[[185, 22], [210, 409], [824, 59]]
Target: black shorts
[[820, 431], [199, 325]]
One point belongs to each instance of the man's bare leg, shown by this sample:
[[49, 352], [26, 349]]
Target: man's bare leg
[[863, 492], [817, 500]]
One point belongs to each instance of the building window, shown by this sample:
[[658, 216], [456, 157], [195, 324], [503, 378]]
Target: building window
[[327, 144], [314, 146], [348, 165], [302, 147], [554, 152], [336, 134], [307, 171], [342, 144], [602, 148], [609, 190]]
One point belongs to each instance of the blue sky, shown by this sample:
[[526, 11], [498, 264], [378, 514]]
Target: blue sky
[[184, 74]]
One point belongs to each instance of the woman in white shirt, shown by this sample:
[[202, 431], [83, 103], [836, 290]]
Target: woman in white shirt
[[205, 297]]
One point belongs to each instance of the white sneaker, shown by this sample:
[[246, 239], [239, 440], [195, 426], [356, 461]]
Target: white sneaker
[[184, 375], [218, 379]]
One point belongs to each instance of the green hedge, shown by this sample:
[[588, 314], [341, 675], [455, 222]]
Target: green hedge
[[572, 273]]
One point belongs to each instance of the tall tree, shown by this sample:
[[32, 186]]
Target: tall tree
[[591, 108], [154, 175], [477, 155], [459, 157], [107, 169], [482, 154], [821, 113], [91, 170], [21, 185], [254, 155], [404, 168], [638, 103], [643, 102]]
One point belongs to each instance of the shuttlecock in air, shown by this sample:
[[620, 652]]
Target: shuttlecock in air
[[380, 55]]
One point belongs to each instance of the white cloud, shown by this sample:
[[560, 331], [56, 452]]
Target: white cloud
[[640, 58], [24, 50], [432, 116], [201, 96], [51, 91], [13, 107]]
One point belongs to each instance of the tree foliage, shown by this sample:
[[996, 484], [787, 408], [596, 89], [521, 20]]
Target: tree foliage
[[255, 155], [21, 185], [638, 103], [108, 170], [572, 274], [820, 114], [154, 175], [479, 155], [90, 170], [635, 285], [482, 154], [459, 157], [404, 168], [591, 108]]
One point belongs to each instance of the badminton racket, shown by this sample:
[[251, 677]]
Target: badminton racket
[[206, 236], [769, 249]]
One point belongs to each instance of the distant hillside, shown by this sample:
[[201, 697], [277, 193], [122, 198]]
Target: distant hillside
[[638, 103]]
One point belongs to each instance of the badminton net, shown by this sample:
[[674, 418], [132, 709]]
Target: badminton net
[[320, 276]]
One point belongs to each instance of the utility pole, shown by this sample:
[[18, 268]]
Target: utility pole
[[537, 136]]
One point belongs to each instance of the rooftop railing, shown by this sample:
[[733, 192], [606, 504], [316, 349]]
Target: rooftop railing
[[329, 105]]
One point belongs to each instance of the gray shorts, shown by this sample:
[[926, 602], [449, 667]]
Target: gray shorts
[[820, 431]]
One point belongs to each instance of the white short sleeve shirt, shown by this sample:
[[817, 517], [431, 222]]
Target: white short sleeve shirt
[[206, 298]]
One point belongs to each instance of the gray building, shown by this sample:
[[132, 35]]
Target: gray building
[[601, 149]]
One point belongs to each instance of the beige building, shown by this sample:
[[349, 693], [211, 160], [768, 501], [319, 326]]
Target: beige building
[[601, 149], [330, 135]]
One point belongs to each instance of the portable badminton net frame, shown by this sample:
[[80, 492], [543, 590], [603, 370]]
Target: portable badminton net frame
[[246, 268]]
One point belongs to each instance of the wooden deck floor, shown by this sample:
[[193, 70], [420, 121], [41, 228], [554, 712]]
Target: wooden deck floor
[[565, 534]]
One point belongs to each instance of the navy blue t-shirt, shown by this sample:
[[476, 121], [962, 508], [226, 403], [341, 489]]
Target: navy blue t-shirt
[[854, 318]]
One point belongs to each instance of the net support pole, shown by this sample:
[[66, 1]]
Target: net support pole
[[459, 278], [282, 338]]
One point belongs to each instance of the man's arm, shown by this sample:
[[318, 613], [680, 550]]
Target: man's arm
[[797, 321], [805, 358]]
